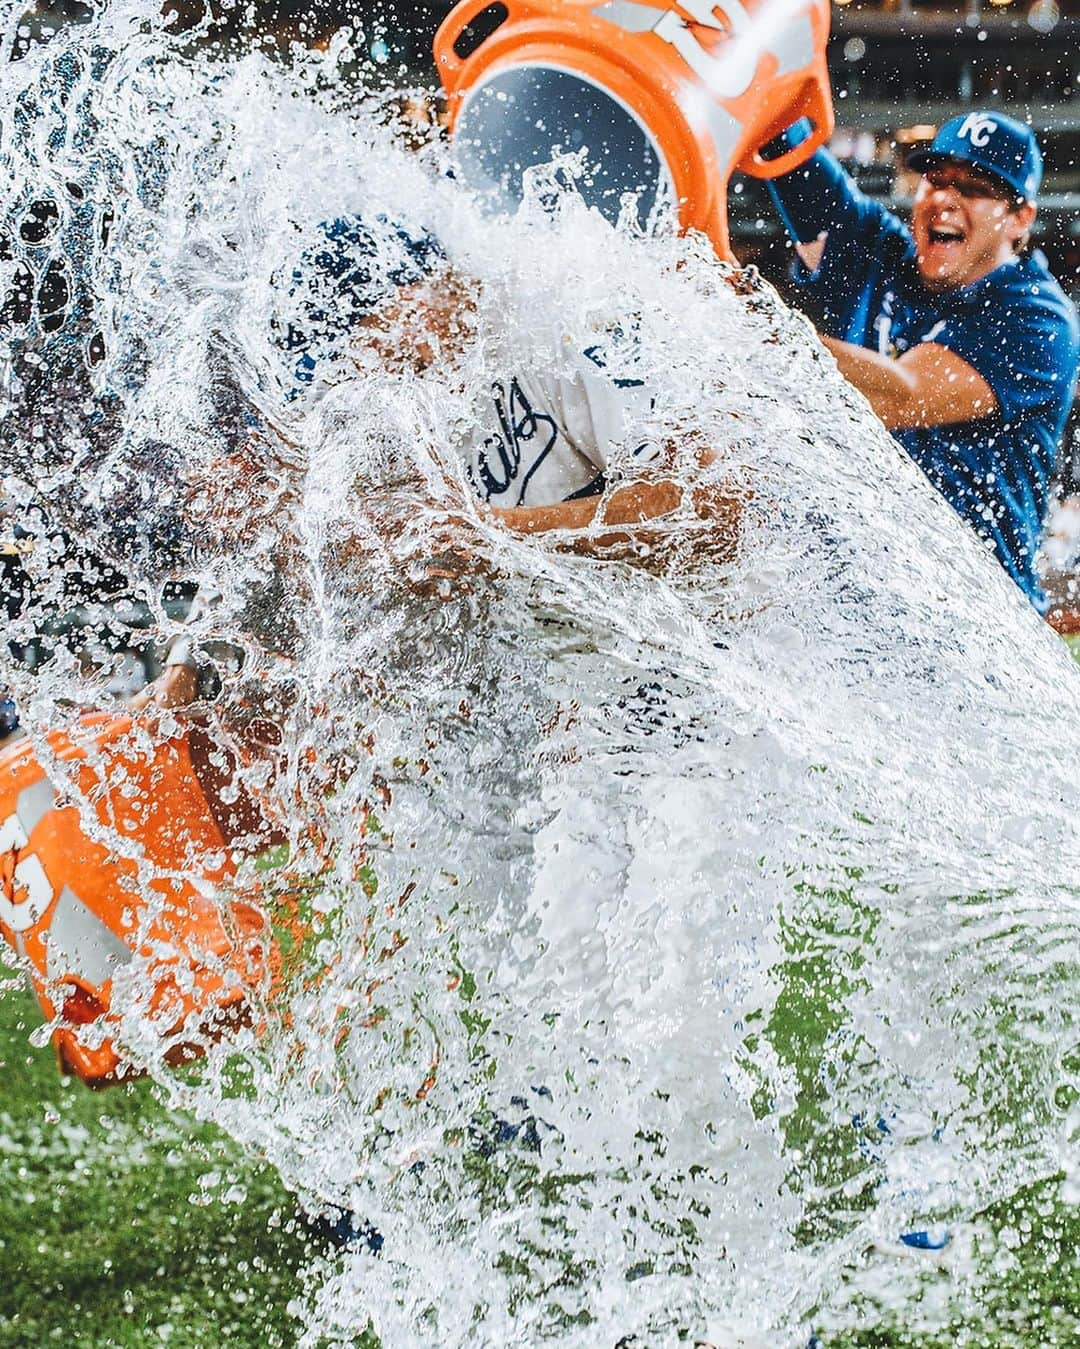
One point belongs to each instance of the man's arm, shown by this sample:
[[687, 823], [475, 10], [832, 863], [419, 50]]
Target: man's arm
[[928, 386], [626, 512], [630, 505], [425, 321], [820, 198], [176, 686]]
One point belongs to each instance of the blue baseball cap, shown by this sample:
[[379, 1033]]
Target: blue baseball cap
[[992, 142]]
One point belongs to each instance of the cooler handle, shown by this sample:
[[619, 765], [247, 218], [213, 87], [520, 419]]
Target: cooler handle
[[816, 105], [447, 62]]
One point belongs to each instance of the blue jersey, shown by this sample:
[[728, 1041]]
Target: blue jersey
[[1015, 327]]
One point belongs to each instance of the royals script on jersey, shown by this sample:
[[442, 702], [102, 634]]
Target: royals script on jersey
[[551, 432]]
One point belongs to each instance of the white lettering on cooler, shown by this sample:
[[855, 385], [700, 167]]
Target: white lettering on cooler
[[726, 71], [978, 128], [724, 78], [25, 891], [704, 13]]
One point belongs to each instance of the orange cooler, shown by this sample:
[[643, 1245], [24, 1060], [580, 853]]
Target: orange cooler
[[666, 100], [77, 909]]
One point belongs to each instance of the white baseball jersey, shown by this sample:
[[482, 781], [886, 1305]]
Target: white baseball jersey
[[547, 435]]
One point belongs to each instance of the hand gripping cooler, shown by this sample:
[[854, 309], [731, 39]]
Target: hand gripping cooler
[[667, 100]]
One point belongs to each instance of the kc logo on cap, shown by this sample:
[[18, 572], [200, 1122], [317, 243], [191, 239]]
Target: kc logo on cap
[[978, 128], [993, 142]]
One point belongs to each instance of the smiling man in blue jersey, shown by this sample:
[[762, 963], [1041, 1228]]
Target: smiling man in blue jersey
[[953, 329]]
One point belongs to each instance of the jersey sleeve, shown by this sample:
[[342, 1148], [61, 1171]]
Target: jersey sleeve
[[821, 196], [1027, 353], [863, 239], [603, 399]]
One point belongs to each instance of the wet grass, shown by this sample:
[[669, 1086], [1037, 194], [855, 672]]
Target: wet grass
[[1018, 1289], [124, 1224]]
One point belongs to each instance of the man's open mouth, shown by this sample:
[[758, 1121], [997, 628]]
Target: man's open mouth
[[945, 234]]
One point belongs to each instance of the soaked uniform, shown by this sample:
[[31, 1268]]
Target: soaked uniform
[[537, 436], [1015, 327], [545, 435]]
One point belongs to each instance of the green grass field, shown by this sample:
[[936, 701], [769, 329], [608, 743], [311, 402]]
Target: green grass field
[[123, 1224]]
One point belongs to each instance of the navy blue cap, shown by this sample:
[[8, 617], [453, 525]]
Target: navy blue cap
[[354, 264], [992, 142]]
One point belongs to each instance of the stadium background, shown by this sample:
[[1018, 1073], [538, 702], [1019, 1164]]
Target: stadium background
[[899, 69]]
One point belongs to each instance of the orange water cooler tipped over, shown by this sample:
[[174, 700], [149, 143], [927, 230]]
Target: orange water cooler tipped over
[[77, 911], [665, 100]]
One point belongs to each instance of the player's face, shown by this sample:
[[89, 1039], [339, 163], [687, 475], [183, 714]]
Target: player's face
[[425, 322], [965, 224]]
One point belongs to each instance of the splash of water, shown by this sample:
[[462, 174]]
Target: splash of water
[[674, 927]]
